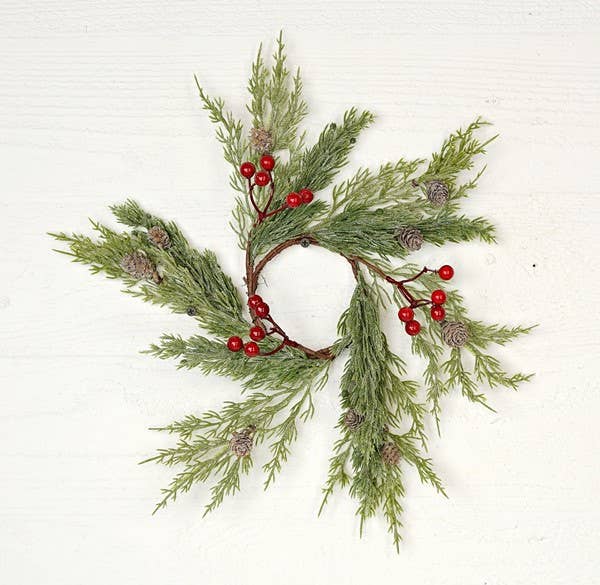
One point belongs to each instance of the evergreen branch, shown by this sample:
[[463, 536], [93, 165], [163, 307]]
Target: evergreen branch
[[230, 133], [202, 266], [459, 377], [432, 376], [291, 376], [488, 369], [258, 88], [288, 368], [286, 433], [190, 279], [321, 163], [372, 387], [337, 475], [371, 233], [276, 99], [445, 228], [482, 335], [389, 184], [457, 155]]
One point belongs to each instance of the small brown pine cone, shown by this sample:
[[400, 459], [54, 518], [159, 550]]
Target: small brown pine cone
[[261, 140], [159, 237], [353, 419], [140, 266], [410, 238], [390, 454], [437, 193], [241, 443], [454, 333]]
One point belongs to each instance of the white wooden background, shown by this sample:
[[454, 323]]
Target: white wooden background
[[97, 103]]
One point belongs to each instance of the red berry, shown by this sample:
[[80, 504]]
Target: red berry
[[251, 349], [235, 343], [247, 169], [254, 300], [412, 327], [262, 309], [446, 272], [267, 162], [437, 312], [261, 178], [438, 297], [293, 200], [405, 314], [257, 333], [306, 195]]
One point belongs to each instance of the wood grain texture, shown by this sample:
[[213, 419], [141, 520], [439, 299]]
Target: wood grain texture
[[97, 103]]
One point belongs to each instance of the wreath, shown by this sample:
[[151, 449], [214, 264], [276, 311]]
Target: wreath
[[370, 218]]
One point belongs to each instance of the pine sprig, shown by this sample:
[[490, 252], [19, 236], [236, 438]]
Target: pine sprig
[[320, 163], [276, 99], [391, 183], [456, 155], [190, 279], [289, 368], [275, 415], [371, 385], [460, 377]]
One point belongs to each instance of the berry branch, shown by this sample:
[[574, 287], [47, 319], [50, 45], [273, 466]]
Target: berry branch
[[261, 310]]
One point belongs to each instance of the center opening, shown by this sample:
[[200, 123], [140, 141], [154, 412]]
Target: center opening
[[307, 289]]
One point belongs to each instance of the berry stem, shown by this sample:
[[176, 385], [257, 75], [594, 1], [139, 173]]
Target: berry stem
[[275, 211], [253, 201], [418, 275], [271, 194], [276, 350]]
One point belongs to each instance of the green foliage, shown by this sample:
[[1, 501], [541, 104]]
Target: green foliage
[[191, 279], [290, 379], [390, 184], [360, 221], [456, 155], [276, 99], [314, 167], [372, 385]]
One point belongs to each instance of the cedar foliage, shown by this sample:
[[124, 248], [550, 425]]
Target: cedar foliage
[[358, 219]]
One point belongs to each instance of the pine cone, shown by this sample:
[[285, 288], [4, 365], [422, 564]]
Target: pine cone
[[159, 237], [353, 419], [261, 140], [241, 443], [454, 333], [437, 193], [140, 266], [390, 454], [410, 238]]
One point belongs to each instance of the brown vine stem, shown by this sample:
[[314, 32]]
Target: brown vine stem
[[252, 274]]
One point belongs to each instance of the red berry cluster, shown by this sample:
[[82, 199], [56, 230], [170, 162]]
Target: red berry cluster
[[256, 333], [438, 298], [297, 199], [263, 178]]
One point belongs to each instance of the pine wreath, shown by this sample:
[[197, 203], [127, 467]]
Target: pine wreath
[[370, 218]]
